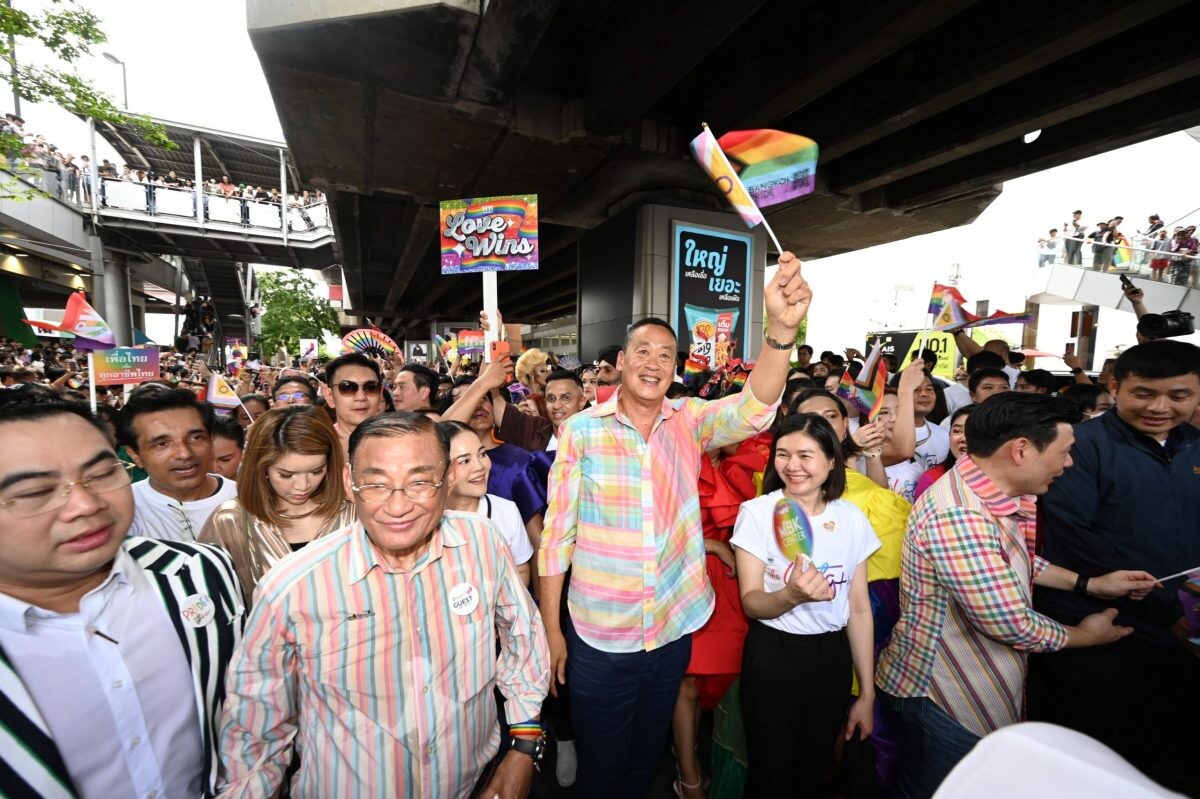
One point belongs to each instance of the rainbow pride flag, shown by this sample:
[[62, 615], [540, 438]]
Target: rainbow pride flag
[[866, 393], [937, 300], [695, 366], [707, 151], [1123, 254], [776, 166], [954, 317], [81, 320]]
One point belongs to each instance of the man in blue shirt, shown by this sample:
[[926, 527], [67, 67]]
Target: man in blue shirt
[[1131, 500]]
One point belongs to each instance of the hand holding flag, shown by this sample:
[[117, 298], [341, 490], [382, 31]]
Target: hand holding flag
[[787, 296]]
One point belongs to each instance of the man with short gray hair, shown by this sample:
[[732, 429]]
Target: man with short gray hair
[[372, 651]]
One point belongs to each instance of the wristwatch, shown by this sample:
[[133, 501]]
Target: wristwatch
[[534, 747], [1078, 370]]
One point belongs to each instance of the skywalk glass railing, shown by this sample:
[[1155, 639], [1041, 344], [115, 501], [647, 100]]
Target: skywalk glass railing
[[132, 199], [167, 202], [1172, 259]]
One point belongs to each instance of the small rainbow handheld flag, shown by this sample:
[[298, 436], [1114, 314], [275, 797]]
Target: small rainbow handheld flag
[[777, 166], [1123, 254], [695, 365], [707, 151], [220, 393], [866, 394], [81, 320], [954, 317], [937, 300]]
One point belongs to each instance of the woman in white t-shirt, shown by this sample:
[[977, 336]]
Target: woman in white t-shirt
[[812, 617], [468, 478]]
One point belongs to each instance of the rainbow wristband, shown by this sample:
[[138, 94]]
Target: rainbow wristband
[[526, 729]]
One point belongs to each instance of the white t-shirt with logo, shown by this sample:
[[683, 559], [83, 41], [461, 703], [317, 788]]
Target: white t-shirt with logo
[[842, 539], [158, 516], [933, 445], [507, 517]]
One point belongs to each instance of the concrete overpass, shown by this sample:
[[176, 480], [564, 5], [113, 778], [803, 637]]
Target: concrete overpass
[[919, 108]]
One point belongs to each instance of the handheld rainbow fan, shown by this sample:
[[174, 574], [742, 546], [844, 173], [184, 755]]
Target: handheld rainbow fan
[[793, 533], [369, 342]]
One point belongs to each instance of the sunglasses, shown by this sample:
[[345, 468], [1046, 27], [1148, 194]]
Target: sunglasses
[[299, 395], [348, 388]]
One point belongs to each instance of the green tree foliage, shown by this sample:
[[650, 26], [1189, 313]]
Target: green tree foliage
[[291, 312], [65, 32]]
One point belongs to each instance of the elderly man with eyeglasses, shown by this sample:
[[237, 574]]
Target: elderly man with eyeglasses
[[372, 652], [354, 389]]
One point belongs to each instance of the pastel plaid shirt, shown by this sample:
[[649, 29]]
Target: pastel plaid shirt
[[624, 514], [382, 680], [966, 615]]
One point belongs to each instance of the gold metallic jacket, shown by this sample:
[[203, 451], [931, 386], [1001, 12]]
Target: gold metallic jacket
[[256, 546]]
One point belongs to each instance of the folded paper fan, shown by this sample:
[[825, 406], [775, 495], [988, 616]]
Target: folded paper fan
[[569, 362], [793, 532], [369, 342]]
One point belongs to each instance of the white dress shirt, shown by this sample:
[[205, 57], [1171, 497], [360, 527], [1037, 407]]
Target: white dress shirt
[[165, 518], [114, 687]]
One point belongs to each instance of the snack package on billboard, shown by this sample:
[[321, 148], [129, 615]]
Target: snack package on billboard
[[711, 331]]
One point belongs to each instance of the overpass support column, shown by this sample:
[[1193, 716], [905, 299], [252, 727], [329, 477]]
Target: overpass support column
[[112, 300]]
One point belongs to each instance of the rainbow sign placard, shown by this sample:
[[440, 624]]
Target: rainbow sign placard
[[125, 365], [489, 234]]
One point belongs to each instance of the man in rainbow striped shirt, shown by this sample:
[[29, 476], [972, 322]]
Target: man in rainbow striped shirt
[[624, 515], [372, 652]]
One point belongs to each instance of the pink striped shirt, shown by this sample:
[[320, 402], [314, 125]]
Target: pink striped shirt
[[625, 515], [382, 681]]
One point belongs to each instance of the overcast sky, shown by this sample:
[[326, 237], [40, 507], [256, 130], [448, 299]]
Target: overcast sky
[[192, 62]]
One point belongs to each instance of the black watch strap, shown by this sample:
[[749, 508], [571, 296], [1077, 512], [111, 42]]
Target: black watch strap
[[1078, 370], [1081, 584], [534, 747]]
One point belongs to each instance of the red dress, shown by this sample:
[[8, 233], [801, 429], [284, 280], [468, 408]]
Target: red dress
[[717, 646]]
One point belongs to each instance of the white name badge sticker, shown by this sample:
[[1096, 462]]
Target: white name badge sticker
[[463, 599], [197, 610]]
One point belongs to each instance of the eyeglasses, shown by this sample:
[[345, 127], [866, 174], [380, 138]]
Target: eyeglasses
[[348, 388], [417, 491], [36, 498], [299, 395]]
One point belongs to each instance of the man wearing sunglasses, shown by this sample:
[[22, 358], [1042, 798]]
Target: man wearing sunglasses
[[112, 648], [354, 389], [373, 651]]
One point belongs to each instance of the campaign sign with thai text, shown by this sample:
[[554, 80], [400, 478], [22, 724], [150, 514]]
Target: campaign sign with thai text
[[125, 365], [489, 234]]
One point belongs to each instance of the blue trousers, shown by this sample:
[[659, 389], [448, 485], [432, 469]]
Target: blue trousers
[[621, 707], [933, 745]]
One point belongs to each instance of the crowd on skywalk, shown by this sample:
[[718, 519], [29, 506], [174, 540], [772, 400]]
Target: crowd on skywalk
[[1154, 249], [62, 175], [365, 577]]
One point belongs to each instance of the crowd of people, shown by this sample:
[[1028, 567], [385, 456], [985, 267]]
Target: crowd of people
[[1161, 253], [60, 174], [377, 578]]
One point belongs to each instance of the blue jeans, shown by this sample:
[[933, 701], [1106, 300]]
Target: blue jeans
[[621, 708], [933, 745]]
